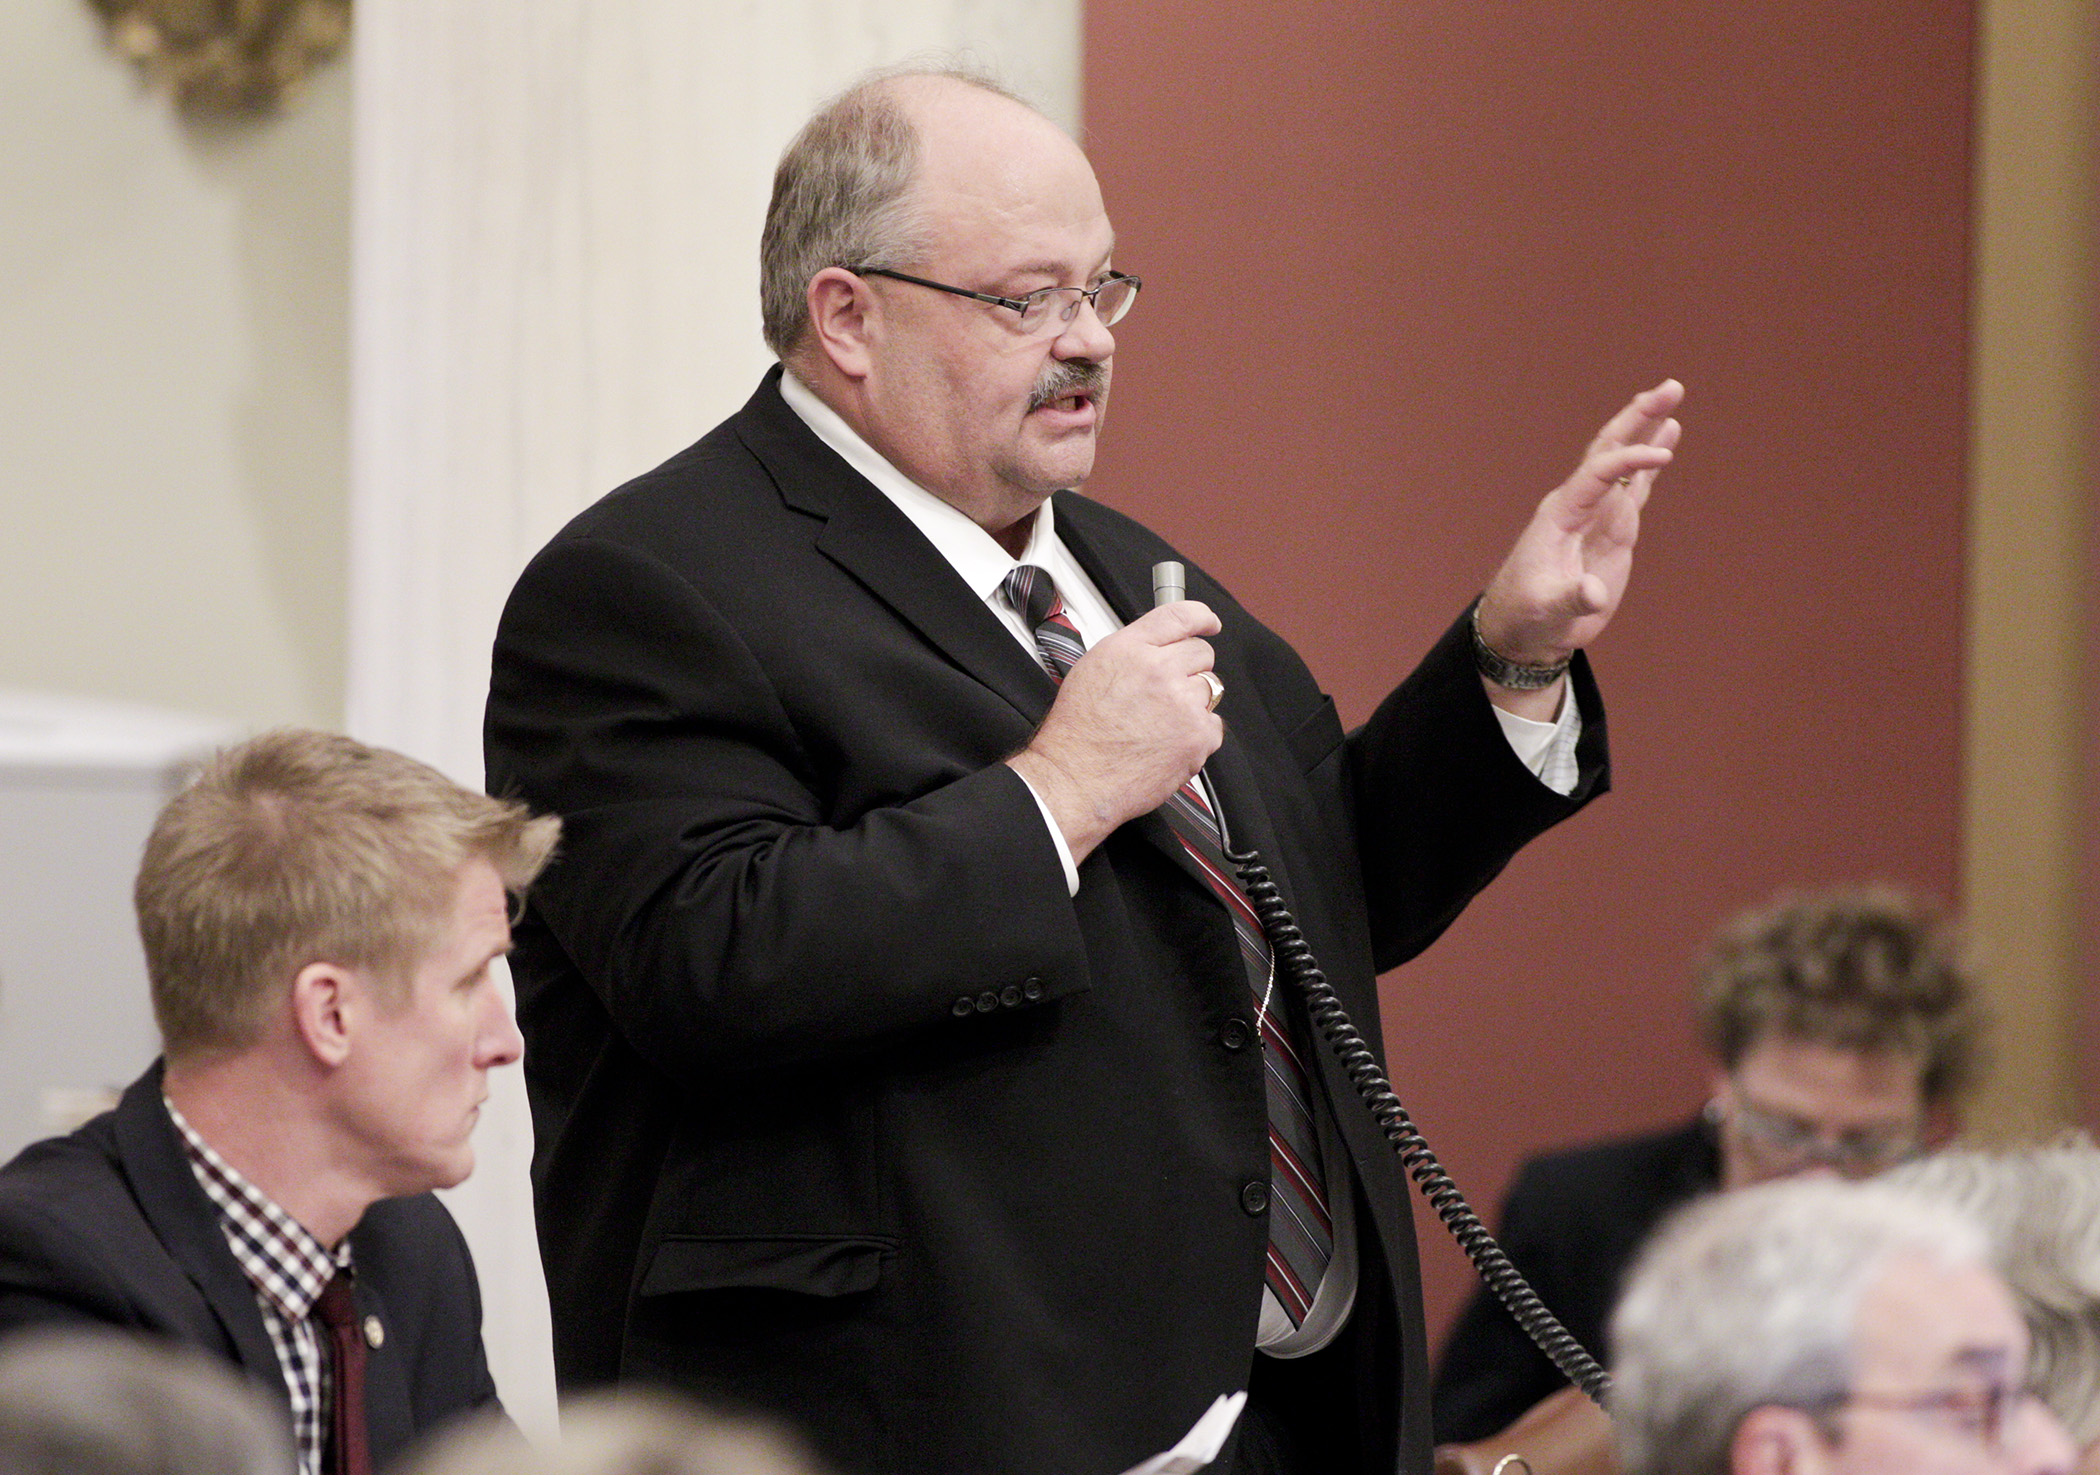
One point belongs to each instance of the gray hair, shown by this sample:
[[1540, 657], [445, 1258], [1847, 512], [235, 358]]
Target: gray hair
[[633, 1431], [96, 1401], [842, 196], [2041, 1208], [1750, 1298]]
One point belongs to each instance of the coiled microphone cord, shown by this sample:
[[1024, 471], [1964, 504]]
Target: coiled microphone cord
[[1295, 958]]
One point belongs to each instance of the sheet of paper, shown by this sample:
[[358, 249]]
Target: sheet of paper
[[1200, 1445]]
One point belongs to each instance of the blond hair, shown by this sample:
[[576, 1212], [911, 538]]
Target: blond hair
[[299, 847], [103, 1399], [629, 1431]]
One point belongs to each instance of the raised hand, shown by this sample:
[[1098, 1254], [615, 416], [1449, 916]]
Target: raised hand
[[1558, 587]]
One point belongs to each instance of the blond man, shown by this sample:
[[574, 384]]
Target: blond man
[[320, 919]]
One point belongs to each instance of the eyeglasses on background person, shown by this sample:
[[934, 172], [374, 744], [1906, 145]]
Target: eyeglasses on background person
[[1787, 1141], [1982, 1413]]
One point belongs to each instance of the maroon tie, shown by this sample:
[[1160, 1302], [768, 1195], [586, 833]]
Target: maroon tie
[[1301, 1236], [337, 1308]]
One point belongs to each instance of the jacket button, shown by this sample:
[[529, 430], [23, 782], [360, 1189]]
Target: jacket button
[[1254, 1197], [1031, 989], [963, 1006], [1234, 1033], [1010, 996], [987, 1002]]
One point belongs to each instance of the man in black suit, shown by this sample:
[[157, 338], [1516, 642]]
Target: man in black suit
[[903, 1062], [319, 920]]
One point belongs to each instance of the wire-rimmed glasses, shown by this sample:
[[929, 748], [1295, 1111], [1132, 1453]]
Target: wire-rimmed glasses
[[1047, 309]]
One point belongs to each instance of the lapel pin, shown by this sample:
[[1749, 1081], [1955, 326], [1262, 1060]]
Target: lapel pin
[[374, 1332]]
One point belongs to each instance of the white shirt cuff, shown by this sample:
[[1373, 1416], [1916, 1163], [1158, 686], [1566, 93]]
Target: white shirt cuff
[[1547, 748], [1057, 836]]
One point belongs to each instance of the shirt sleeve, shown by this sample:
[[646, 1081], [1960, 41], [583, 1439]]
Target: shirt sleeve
[[1546, 748], [1057, 836]]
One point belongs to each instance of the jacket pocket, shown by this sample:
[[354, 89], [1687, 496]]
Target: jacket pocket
[[1317, 736], [807, 1264]]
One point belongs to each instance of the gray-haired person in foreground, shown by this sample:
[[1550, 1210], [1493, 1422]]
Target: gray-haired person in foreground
[[1823, 1328], [2041, 1208]]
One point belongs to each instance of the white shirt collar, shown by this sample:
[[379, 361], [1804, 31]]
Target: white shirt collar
[[974, 553]]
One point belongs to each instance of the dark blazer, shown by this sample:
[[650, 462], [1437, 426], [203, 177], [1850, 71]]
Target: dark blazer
[[845, 1109], [1572, 1224], [109, 1225]]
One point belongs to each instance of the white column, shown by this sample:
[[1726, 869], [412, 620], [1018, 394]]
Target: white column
[[555, 285]]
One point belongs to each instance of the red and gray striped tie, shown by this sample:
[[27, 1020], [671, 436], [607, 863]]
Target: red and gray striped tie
[[1301, 1236]]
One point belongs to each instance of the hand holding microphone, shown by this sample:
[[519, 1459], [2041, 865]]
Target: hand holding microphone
[[1133, 720]]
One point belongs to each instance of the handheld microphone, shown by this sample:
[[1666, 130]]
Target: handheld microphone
[[1170, 582]]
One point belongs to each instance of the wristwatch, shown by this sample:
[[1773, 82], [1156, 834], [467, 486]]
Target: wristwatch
[[1499, 669]]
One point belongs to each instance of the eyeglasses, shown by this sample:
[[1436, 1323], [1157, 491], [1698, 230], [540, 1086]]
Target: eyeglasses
[[1784, 1138], [1980, 1413], [1047, 309]]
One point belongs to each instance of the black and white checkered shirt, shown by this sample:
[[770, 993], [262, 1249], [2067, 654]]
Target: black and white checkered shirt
[[289, 1268]]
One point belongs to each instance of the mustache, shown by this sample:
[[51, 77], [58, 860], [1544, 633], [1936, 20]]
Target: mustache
[[1067, 377]]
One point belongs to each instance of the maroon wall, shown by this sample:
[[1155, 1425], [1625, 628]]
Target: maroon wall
[[1400, 262]]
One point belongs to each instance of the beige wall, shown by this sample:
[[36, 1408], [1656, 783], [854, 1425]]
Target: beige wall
[[2032, 726], [172, 388]]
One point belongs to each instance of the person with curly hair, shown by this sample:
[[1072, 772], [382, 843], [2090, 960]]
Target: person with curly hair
[[1843, 1025]]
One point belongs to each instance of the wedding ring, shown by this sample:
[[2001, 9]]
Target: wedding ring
[[1217, 690]]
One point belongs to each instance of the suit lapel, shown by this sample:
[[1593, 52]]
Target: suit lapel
[[862, 531], [187, 1223], [1114, 571]]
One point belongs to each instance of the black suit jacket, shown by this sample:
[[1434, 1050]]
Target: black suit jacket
[[845, 1108], [109, 1225], [1572, 1224]]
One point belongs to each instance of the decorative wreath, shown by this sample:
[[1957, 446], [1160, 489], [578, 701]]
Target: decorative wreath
[[227, 56]]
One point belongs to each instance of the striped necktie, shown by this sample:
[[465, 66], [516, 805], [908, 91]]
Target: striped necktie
[[1301, 1236]]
